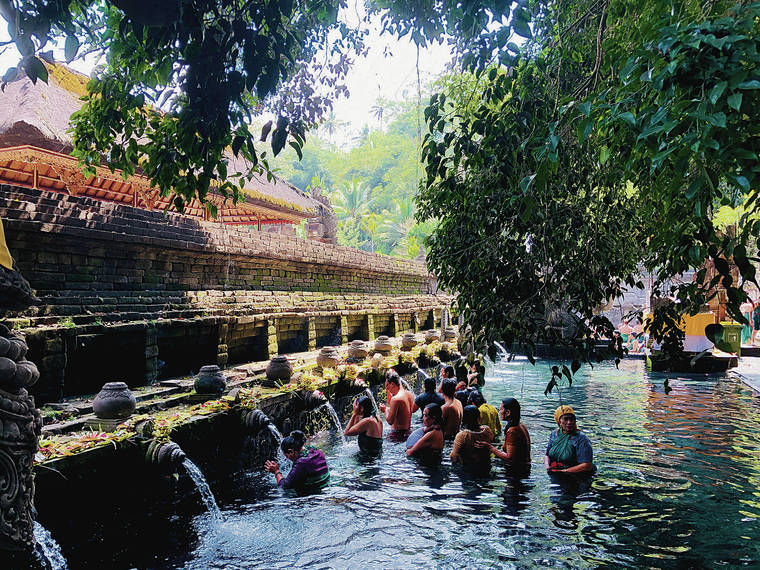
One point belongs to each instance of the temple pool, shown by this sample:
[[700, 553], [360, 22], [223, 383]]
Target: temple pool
[[678, 486]]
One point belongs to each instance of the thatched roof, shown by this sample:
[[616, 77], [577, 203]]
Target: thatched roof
[[38, 115]]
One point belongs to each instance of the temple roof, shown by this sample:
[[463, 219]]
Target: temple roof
[[34, 120]]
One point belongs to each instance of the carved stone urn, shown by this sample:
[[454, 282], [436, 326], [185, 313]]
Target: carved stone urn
[[408, 341], [357, 349], [114, 401], [449, 334], [210, 380], [431, 336], [383, 344], [279, 370], [328, 357]]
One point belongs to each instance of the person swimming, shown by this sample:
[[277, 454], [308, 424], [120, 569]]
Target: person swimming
[[366, 424], [309, 473]]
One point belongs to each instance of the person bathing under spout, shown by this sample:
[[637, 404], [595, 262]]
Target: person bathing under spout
[[367, 425], [309, 473], [399, 412]]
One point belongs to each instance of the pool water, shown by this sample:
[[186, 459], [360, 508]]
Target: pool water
[[678, 485]]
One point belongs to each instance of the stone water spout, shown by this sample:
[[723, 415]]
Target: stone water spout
[[165, 453], [255, 421]]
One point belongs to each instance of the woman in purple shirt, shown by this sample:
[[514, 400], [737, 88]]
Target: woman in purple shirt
[[309, 473]]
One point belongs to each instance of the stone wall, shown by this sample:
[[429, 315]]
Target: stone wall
[[137, 296]]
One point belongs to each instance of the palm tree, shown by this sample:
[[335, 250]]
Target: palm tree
[[331, 125], [396, 228], [351, 201]]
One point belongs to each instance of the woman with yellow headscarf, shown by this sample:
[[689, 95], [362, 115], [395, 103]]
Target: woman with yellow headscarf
[[568, 450]]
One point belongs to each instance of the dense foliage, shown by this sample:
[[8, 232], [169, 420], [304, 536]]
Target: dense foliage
[[610, 141]]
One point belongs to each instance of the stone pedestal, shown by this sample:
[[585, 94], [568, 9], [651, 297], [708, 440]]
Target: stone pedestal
[[18, 444]]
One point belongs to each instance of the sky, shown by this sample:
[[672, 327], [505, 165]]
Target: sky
[[392, 77]]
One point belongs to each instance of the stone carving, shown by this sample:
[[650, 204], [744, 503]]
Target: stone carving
[[383, 344], [210, 380], [20, 427], [408, 341], [279, 370], [431, 336], [357, 349], [328, 357], [114, 401], [164, 453]]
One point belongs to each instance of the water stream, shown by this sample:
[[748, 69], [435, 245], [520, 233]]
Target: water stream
[[502, 351], [205, 491], [335, 420], [47, 550], [371, 396], [282, 461]]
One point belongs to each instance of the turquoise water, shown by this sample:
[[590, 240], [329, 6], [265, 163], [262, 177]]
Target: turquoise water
[[677, 486]]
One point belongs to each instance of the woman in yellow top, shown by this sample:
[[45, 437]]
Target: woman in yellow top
[[466, 450], [489, 415]]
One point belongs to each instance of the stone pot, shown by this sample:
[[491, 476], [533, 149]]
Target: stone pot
[[449, 334], [357, 349], [431, 336], [114, 401], [383, 344], [328, 357], [210, 380], [408, 341], [279, 369]]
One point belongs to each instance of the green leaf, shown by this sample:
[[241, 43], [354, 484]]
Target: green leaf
[[628, 118], [717, 91], [751, 84], [297, 148], [575, 365], [526, 182], [520, 25], [604, 154], [585, 108], [71, 47], [35, 70], [735, 101], [717, 119]]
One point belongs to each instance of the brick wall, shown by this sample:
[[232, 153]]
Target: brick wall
[[80, 244]]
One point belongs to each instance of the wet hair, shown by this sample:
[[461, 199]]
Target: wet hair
[[368, 408], [449, 387], [294, 441], [435, 413], [429, 384], [471, 418], [476, 398], [514, 408], [393, 377], [449, 371]]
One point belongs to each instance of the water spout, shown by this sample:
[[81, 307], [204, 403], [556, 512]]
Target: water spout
[[405, 384], [371, 396], [335, 420], [47, 550], [205, 491], [282, 461], [502, 351]]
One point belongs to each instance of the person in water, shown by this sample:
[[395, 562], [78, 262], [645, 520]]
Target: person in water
[[451, 409], [309, 473], [516, 449], [568, 450], [427, 441], [488, 414], [473, 457], [429, 396], [399, 412], [366, 424]]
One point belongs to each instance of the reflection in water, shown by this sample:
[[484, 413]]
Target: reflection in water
[[678, 485]]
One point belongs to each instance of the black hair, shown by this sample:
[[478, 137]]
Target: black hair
[[449, 387], [294, 441], [476, 398], [368, 408], [393, 377], [429, 384], [449, 371], [514, 408], [435, 413], [471, 418]]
